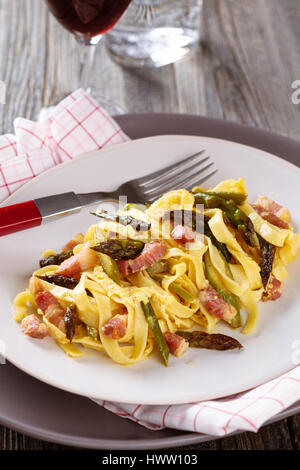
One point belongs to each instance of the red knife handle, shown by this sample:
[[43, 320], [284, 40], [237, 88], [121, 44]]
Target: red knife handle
[[19, 217]]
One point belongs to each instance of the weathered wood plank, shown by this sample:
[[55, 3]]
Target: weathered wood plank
[[272, 437], [294, 428]]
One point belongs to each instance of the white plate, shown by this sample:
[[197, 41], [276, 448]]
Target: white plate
[[199, 374]]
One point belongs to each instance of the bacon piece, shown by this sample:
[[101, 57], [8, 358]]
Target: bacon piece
[[151, 253], [72, 267], [46, 299], [33, 327], [272, 212], [271, 206], [76, 240], [176, 344], [116, 327], [124, 267], [52, 309], [273, 290], [182, 234], [35, 285], [271, 218], [215, 305]]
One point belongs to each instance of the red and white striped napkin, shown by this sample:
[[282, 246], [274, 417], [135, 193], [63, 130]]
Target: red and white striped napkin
[[78, 125]]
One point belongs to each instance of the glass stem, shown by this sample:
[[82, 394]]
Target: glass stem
[[87, 49]]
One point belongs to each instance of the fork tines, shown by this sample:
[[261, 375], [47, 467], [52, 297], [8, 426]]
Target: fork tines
[[185, 174]]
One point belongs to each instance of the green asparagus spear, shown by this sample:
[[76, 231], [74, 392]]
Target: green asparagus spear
[[181, 292], [230, 298], [71, 320], [200, 339], [55, 259], [236, 322], [58, 280], [138, 225], [221, 246], [267, 253], [160, 266], [120, 249], [236, 198], [157, 277], [156, 270], [110, 267], [157, 333], [234, 215], [63, 281]]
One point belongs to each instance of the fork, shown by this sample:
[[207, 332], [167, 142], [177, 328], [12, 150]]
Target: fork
[[185, 174]]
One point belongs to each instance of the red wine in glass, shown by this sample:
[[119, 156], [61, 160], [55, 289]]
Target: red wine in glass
[[88, 18]]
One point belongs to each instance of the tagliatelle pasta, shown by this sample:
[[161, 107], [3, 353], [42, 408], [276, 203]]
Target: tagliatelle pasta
[[141, 280]]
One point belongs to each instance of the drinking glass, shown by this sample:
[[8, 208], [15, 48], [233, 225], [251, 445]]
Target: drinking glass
[[88, 20], [153, 33]]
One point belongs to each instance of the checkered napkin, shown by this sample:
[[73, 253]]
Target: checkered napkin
[[246, 411], [78, 125], [75, 126]]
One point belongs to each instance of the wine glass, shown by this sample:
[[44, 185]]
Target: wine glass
[[88, 20]]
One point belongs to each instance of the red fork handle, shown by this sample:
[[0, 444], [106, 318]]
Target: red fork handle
[[19, 217]]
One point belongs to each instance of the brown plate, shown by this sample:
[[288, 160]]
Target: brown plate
[[44, 412]]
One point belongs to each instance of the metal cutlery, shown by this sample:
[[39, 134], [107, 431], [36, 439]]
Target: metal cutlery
[[186, 173]]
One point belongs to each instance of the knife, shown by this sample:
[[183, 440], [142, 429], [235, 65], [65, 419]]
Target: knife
[[33, 213]]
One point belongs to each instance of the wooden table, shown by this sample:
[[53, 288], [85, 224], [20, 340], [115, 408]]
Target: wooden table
[[243, 71]]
